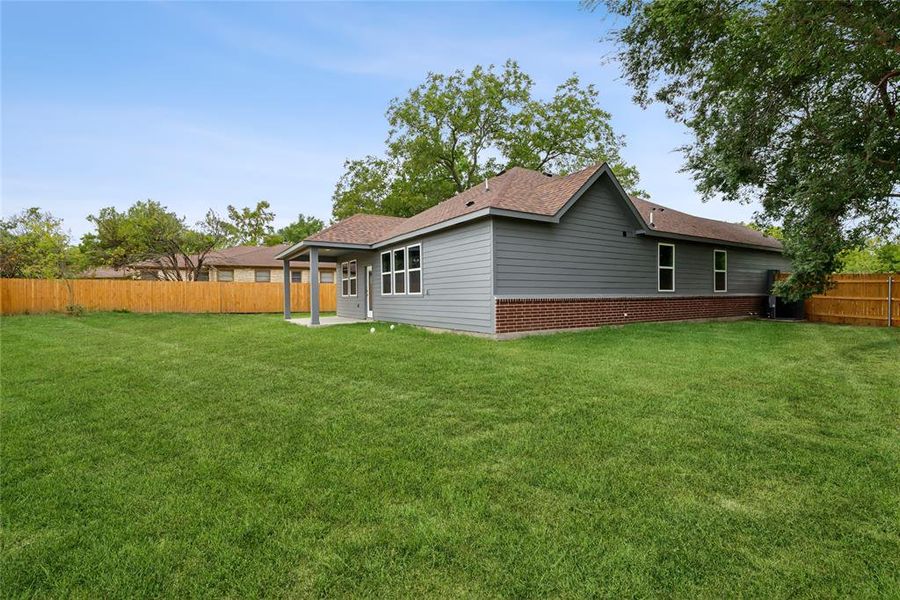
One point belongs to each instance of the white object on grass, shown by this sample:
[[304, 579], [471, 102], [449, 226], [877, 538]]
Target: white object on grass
[[371, 330], [392, 327]]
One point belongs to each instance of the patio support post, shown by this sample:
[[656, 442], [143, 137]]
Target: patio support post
[[313, 286], [287, 289]]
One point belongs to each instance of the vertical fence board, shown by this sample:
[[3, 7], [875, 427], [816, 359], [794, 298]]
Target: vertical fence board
[[19, 296]]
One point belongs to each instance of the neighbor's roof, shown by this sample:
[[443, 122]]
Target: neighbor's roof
[[528, 192], [243, 256]]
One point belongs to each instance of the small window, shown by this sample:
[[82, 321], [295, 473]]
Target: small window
[[262, 275], [226, 275], [400, 271], [345, 279], [720, 271], [414, 269], [326, 276], [296, 276], [353, 278], [386, 274], [203, 275], [666, 267], [148, 276]]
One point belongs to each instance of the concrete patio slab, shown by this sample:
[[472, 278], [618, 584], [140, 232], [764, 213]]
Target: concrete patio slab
[[325, 321]]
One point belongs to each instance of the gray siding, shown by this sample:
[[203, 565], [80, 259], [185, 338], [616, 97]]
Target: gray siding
[[456, 282], [585, 254], [353, 307]]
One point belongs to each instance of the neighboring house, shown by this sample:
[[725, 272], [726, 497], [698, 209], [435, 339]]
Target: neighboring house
[[107, 273], [526, 251], [244, 264]]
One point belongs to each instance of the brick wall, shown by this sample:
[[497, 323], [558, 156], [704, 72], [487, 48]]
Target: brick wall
[[513, 315]]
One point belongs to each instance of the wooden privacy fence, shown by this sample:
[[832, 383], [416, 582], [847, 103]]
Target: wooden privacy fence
[[19, 296], [863, 299]]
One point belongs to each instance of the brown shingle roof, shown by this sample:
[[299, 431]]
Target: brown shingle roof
[[531, 192], [243, 256], [358, 229], [667, 220]]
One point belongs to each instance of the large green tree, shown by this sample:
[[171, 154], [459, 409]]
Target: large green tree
[[34, 245], [149, 233], [297, 231], [454, 130], [249, 226], [792, 103]]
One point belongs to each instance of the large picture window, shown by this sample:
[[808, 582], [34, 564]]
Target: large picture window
[[387, 274], [665, 267], [400, 271], [348, 279], [720, 271], [414, 269]]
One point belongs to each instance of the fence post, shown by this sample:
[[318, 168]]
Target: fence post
[[890, 299]]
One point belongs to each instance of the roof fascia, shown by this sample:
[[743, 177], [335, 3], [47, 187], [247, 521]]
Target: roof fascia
[[705, 240], [304, 246]]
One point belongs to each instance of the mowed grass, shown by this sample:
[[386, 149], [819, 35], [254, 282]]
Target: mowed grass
[[240, 456]]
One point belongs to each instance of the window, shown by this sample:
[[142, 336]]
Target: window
[[348, 278], [203, 275], [353, 278], [386, 274], [148, 276], [226, 275], [296, 276], [400, 271], [262, 275], [720, 271], [326, 277], [414, 269], [666, 267]]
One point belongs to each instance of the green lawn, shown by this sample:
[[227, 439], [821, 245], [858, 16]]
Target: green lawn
[[176, 455]]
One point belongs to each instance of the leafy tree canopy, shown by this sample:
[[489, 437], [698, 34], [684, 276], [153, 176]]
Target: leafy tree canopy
[[455, 130], [791, 102], [148, 232], [877, 255], [34, 245], [297, 231], [249, 226]]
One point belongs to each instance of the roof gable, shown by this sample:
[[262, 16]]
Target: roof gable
[[520, 192]]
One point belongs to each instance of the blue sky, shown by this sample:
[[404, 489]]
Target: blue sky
[[202, 105]]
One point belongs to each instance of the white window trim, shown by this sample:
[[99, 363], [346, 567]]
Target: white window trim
[[660, 267], [351, 278], [419, 269], [716, 271], [342, 279], [394, 272], [390, 273]]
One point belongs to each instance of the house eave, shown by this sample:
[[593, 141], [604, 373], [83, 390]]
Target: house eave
[[695, 238], [303, 247]]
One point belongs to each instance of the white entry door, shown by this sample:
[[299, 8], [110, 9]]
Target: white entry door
[[369, 292]]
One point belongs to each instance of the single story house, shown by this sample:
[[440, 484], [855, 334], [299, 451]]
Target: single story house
[[244, 264], [525, 251]]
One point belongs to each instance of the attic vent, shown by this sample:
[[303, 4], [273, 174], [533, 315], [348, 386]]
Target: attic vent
[[470, 203]]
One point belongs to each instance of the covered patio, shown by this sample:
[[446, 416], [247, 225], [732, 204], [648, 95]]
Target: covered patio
[[314, 253]]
